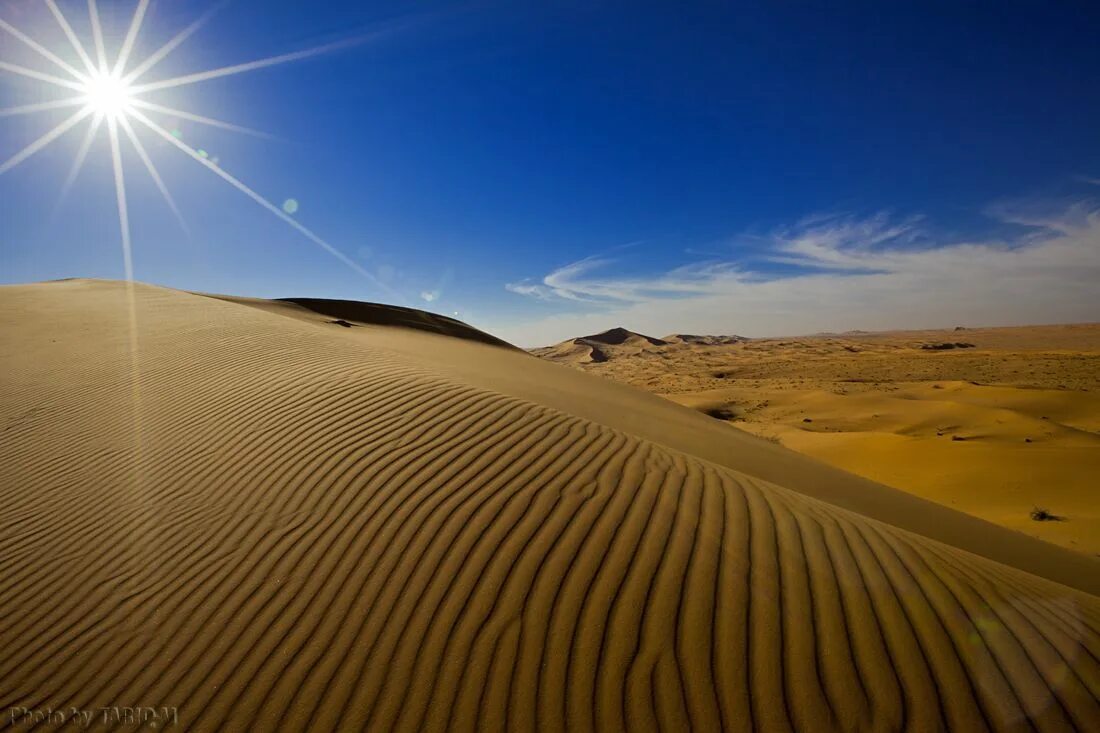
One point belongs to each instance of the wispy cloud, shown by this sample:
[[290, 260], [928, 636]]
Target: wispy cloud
[[580, 282], [845, 243], [844, 272]]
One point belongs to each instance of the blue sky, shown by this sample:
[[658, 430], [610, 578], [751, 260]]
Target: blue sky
[[549, 169]]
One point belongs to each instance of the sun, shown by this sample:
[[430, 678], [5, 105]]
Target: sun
[[109, 95]]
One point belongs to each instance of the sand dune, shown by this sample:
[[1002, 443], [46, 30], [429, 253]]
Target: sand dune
[[600, 347], [996, 429], [992, 451], [271, 520]]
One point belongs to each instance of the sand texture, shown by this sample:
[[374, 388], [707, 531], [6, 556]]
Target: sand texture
[[1005, 424], [272, 521]]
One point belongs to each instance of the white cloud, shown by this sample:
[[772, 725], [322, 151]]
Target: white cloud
[[526, 287], [429, 296], [851, 273]]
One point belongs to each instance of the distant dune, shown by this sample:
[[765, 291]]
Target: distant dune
[[687, 338], [599, 347], [619, 336], [620, 342], [319, 515]]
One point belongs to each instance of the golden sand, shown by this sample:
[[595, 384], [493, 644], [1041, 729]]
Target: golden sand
[[1007, 425], [272, 521]]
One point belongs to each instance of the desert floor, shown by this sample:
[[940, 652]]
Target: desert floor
[[998, 428], [321, 515]]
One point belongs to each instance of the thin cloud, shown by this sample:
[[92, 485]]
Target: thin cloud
[[875, 272], [534, 290]]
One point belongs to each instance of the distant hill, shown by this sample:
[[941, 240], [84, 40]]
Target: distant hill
[[600, 347], [619, 336], [688, 338], [621, 342]]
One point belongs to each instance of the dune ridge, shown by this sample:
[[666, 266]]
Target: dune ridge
[[393, 315], [274, 521]]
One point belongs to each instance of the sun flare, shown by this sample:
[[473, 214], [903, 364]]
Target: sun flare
[[109, 95]]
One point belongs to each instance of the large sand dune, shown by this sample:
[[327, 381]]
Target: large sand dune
[[266, 519]]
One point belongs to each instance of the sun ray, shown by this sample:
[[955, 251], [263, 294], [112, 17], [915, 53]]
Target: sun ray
[[183, 114], [249, 66], [131, 37], [97, 36], [128, 264], [157, 56], [41, 76], [153, 173], [27, 109], [43, 51], [192, 153], [120, 196], [78, 162], [68, 30], [45, 140]]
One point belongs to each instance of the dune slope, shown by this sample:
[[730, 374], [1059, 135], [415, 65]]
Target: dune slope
[[996, 430], [269, 520]]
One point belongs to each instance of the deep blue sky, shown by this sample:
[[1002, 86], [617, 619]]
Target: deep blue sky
[[476, 144]]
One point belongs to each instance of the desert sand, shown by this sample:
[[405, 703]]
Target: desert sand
[[1004, 422], [334, 516]]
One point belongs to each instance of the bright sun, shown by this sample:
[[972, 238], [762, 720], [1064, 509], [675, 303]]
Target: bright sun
[[112, 94], [108, 94]]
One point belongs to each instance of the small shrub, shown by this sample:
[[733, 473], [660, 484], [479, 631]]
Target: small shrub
[[1039, 514]]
